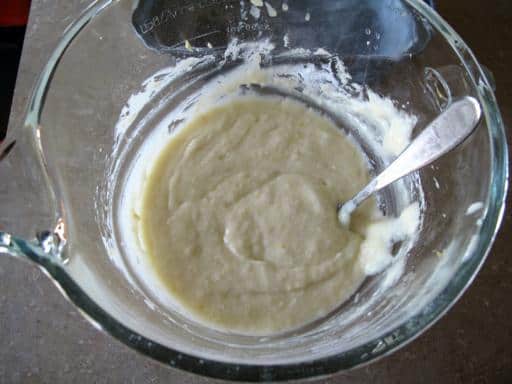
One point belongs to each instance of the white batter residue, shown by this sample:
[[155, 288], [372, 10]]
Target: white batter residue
[[375, 254], [475, 207]]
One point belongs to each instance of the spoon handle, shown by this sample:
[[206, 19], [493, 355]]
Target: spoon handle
[[443, 134]]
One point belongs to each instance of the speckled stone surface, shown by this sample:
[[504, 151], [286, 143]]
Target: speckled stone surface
[[43, 339]]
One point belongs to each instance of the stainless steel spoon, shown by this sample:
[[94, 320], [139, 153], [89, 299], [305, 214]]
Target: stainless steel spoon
[[443, 134]]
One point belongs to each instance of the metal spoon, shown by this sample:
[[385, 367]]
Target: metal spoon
[[443, 134]]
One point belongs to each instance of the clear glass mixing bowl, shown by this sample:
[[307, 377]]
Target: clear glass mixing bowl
[[56, 184]]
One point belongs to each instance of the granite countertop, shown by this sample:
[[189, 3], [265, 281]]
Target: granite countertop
[[45, 340]]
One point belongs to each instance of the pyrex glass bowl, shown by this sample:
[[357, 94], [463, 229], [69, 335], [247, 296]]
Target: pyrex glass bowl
[[57, 196]]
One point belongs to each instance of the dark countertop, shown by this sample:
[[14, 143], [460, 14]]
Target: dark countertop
[[45, 340]]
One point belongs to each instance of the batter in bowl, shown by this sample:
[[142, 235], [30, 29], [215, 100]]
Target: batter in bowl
[[238, 217]]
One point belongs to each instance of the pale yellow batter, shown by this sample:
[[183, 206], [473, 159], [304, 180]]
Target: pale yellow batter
[[239, 216]]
